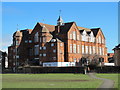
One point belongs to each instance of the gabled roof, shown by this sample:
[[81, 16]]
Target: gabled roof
[[88, 32], [66, 27], [95, 31], [81, 31], [49, 27], [29, 30], [82, 28], [116, 47], [17, 33], [44, 29]]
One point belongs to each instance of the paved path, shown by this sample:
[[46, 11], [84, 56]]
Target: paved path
[[107, 83]]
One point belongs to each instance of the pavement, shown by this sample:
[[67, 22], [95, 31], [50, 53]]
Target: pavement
[[106, 85]]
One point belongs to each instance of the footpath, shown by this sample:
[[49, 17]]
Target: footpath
[[106, 85]]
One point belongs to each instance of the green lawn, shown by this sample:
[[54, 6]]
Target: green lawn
[[113, 77], [49, 81]]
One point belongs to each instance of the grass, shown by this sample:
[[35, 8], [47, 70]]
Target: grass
[[49, 81], [113, 77]]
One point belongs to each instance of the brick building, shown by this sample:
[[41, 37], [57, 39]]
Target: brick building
[[62, 45], [110, 57], [117, 55], [3, 59]]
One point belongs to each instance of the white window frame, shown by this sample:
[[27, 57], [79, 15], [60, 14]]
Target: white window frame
[[78, 37], [71, 48], [74, 35], [74, 48], [83, 49], [86, 49], [90, 50], [78, 48], [70, 36]]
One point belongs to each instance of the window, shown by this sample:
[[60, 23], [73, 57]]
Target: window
[[52, 44], [78, 37], [99, 39], [44, 39], [17, 56], [82, 48], [17, 42], [103, 41], [74, 35], [40, 48], [54, 51], [97, 50], [92, 39], [90, 50], [36, 37], [40, 54], [40, 39], [74, 48], [26, 41], [78, 48], [96, 40], [70, 48], [44, 54], [100, 50], [36, 49], [94, 50], [30, 41], [84, 36], [53, 40], [86, 47], [103, 50], [75, 59], [44, 48], [70, 36], [61, 44], [30, 51], [54, 58]]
